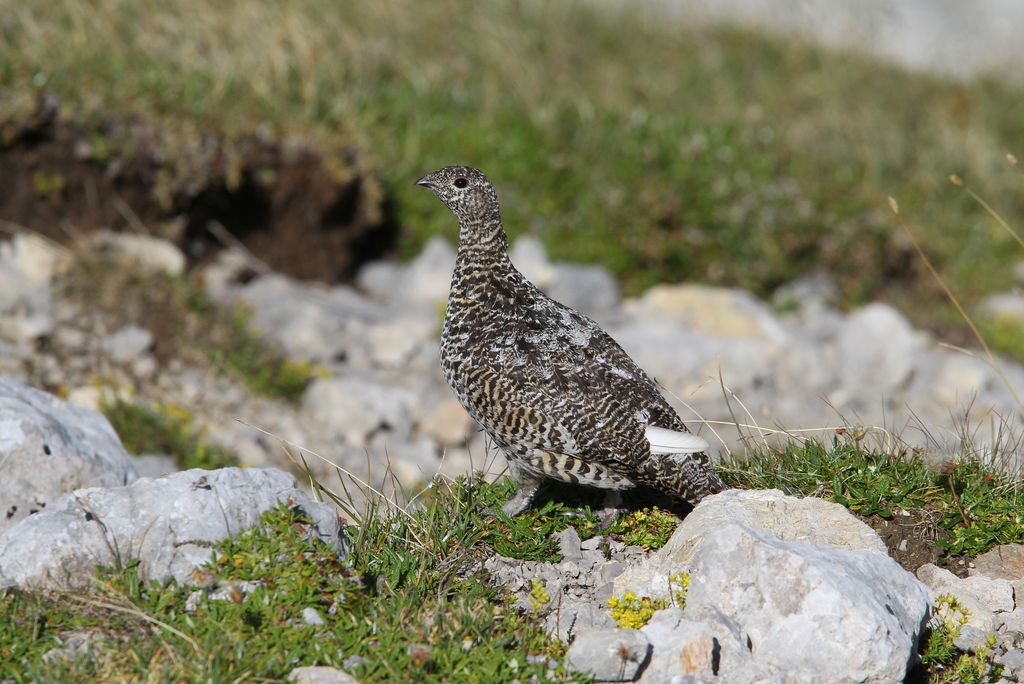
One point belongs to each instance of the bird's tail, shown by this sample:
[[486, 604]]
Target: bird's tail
[[679, 465]]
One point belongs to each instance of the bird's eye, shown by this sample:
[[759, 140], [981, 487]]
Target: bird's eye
[[461, 183]]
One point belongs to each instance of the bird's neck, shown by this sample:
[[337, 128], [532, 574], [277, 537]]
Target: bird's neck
[[482, 242]]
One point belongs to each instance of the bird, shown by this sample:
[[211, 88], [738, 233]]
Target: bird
[[553, 391]]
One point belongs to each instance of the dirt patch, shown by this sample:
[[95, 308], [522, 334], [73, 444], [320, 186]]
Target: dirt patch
[[301, 213], [913, 539]]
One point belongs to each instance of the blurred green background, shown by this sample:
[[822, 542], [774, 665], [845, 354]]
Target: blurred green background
[[617, 137]]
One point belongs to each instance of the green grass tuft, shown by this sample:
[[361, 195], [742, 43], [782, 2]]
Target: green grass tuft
[[164, 429]]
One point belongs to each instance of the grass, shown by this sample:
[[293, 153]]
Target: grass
[[396, 609], [162, 429], [975, 507], [662, 152], [408, 603]]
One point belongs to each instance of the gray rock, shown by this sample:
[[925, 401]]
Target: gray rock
[[814, 613], [528, 255], [709, 311], [573, 616], [589, 289], [877, 349], [1013, 664], [155, 465], [166, 523], [307, 322], [146, 252], [75, 644], [425, 281], [311, 617], [48, 448], [609, 655], [569, 544], [352, 409], [707, 648], [789, 518], [320, 674], [127, 344], [942, 581]]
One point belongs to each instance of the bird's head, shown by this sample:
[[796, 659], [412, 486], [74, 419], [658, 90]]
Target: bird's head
[[467, 192]]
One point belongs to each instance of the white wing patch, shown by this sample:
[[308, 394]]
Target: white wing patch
[[664, 441]]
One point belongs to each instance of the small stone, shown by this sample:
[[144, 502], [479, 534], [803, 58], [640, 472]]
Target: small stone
[[569, 544], [1013, 664], [320, 674], [143, 251], [76, 644], [609, 655], [311, 617], [127, 344], [447, 423], [353, 661]]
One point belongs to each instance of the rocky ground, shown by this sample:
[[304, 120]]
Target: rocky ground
[[743, 372]]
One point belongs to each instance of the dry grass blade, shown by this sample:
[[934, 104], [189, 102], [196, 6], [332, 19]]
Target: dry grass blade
[[956, 303], [135, 612]]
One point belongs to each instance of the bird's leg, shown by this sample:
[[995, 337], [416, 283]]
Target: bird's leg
[[521, 500], [611, 508]]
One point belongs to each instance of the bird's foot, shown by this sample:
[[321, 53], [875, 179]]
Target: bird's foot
[[611, 509]]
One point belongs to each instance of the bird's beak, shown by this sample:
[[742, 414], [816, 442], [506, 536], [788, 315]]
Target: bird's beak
[[426, 181]]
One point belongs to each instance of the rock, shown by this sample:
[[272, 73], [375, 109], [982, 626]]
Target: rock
[[146, 252], [33, 257], [320, 674], [709, 311], [155, 465], [425, 281], [1008, 306], [609, 655], [877, 349], [528, 255], [573, 616], [569, 544], [354, 408], [394, 344], [78, 643], [810, 520], [707, 648], [814, 613], [127, 344], [447, 423], [48, 448], [167, 523], [311, 617], [1005, 561], [1013, 664], [307, 322], [942, 581], [589, 289]]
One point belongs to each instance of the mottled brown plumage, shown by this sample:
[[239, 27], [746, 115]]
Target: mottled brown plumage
[[555, 392]]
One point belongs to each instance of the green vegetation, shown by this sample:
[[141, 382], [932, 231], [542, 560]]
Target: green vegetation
[[947, 664], [185, 324], [162, 429], [397, 605], [663, 152], [649, 528], [240, 348], [632, 612], [528, 536], [974, 507]]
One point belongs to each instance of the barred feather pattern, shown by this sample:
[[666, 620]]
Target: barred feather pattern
[[555, 392]]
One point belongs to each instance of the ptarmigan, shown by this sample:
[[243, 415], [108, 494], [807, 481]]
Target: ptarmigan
[[556, 393]]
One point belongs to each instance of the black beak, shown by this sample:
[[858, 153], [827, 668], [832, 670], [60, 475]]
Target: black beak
[[425, 181]]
